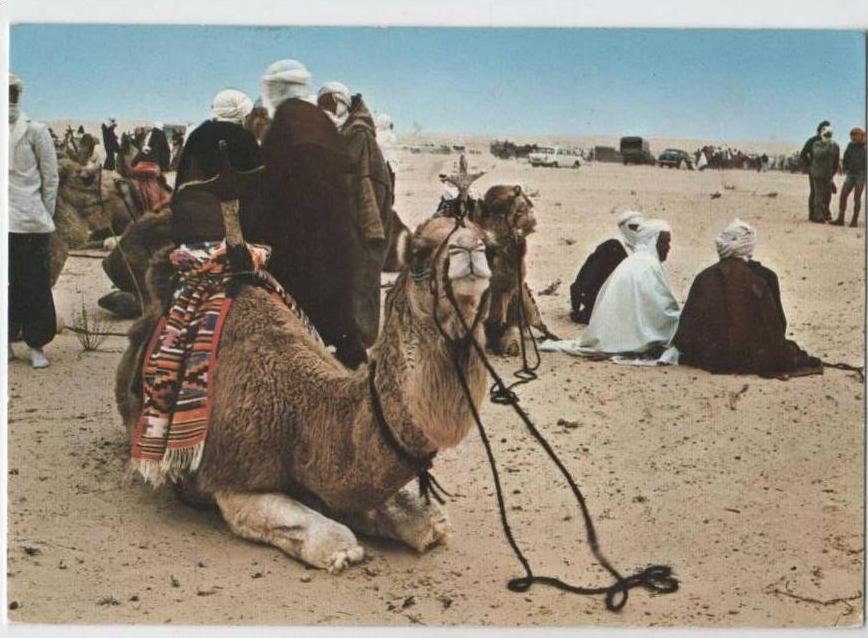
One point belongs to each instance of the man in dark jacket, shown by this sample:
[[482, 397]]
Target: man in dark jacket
[[110, 143], [371, 195], [197, 215], [825, 161], [806, 155], [307, 216]]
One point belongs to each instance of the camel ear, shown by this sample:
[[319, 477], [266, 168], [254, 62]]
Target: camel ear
[[516, 191]]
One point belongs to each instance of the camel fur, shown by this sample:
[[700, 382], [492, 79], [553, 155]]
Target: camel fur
[[507, 214], [294, 455]]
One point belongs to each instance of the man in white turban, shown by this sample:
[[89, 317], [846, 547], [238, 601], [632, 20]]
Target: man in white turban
[[733, 320], [196, 215], [307, 216], [636, 312], [284, 80], [600, 264], [33, 184], [231, 105]]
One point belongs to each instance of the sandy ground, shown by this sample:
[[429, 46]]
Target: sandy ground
[[751, 489]]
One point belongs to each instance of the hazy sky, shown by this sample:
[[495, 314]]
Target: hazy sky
[[713, 84]]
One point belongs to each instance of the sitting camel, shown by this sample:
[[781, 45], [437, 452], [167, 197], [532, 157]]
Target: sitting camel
[[301, 451], [104, 205], [506, 213], [86, 210]]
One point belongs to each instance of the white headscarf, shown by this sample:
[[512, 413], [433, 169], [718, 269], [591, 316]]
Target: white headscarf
[[284, 80], [647, 234], [15, 108], [341, 94], [737, 240], [628, 235], [231, 105]]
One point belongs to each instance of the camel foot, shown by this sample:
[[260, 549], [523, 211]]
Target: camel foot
[[509, 344], [296, 529], [408, 518]]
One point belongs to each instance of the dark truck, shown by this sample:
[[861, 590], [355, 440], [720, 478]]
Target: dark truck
[[635, 150]]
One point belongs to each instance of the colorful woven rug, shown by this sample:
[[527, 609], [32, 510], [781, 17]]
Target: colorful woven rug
[[181, 358]]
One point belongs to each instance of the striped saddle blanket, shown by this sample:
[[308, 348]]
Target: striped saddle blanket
[[181, 358]]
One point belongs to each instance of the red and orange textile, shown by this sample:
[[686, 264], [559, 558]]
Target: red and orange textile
[[181, 359]]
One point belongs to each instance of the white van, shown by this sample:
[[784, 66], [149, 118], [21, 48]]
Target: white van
[[555, 157]]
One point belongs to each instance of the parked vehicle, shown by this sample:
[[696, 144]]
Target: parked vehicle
[[636, 150], [555, 157], [675, 158]]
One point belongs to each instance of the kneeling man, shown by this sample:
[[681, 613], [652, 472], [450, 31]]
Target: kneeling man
[[733, 320]]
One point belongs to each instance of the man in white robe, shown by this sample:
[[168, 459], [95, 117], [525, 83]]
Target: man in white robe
[[636, 312]]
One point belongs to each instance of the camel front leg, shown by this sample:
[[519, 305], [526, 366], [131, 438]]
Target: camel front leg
[[408, 518], [299, 531]]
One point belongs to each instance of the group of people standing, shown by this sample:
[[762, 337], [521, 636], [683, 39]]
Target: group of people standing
[[322, 200], [822, 157], [732, 322]]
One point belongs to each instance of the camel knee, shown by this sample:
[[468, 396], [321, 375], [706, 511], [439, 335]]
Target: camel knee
[[297, 530]]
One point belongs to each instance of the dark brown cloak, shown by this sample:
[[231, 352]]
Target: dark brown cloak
[[307, 219], [732, 323]]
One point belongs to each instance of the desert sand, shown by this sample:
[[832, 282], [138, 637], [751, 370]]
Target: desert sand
[[751, 489]]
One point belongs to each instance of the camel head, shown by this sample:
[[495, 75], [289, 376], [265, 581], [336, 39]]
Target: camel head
[[507, 213], [82, 177], [443, 260]]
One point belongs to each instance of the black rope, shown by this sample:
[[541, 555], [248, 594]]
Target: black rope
[[428, 485], [860, 370], [654, 578]]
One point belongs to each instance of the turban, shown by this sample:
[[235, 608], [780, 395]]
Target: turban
[[647, 233], [628, 235], [858, 133], [737, 240], [231, 105], [283, 80], [341, 94]]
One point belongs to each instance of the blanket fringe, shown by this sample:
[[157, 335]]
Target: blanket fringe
[[174, 465]]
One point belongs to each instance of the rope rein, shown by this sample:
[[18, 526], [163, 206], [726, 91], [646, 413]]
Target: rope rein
[[654, 578]]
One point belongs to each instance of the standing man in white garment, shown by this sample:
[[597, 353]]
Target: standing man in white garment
[[33, 183]]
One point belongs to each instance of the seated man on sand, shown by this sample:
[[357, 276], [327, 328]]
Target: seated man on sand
[[600, 264], [636, 312], [733, 320]]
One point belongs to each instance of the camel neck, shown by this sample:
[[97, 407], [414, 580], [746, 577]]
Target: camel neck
[[418, 463], [416, 378]]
